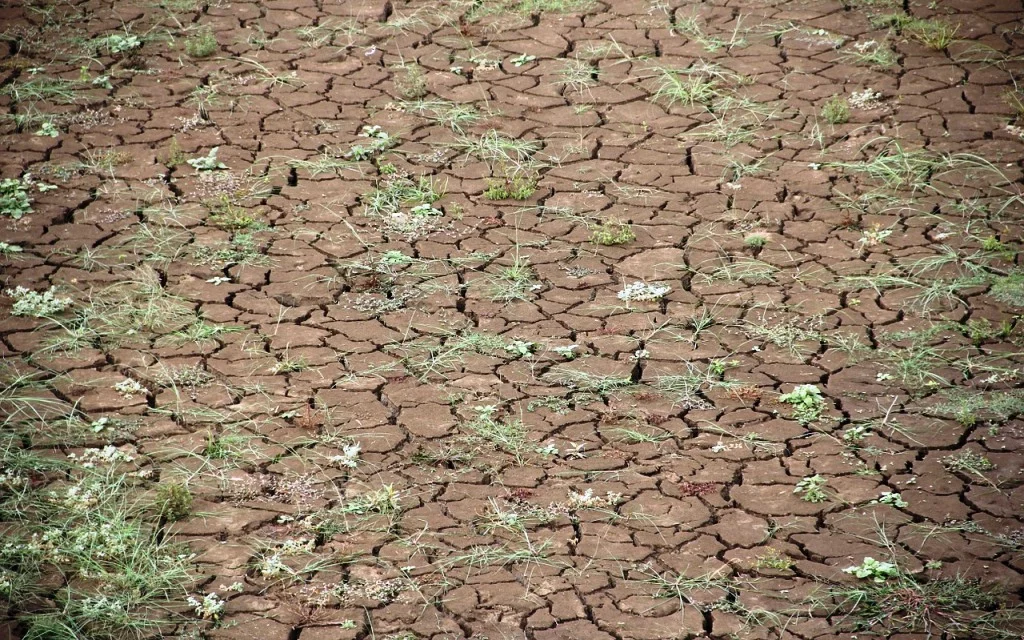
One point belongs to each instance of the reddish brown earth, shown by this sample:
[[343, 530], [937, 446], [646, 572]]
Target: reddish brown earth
[[488, 541]]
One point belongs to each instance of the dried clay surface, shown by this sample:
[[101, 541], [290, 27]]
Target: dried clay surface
[[511, 319]]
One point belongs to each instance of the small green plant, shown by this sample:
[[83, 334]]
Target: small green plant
[[856, 433], [210, 607], [117, 44], [836, 110], [35, 304], [755, 241], [14, 199], [612, 232], [48, 129], [567, 351], [968, 461], [891, 498], [517, 187], [209, 162], [379, 141], [522, 59], [1015, 99], [812, 489], [807, 402], [521, 348], [201, 45], [173, 502], [876, 570]]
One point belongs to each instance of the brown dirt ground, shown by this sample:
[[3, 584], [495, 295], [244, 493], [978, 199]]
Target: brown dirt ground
[[662, 449]]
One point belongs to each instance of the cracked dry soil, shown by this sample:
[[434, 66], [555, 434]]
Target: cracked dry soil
[[407, 406]]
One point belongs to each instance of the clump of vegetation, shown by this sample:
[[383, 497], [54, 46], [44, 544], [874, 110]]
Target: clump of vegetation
[[892, 20], [755, 241], [895, 602], [1009, 288], [516, 187], [14, 199], [981, 329], [612, 232], [173, 502], [968, 461], [506, 435], [812, 489], [227, 215], [807, 402], [934, 34], [966, 407], [201, 45], [36, 304], [395, 192], [836, 110], [516, 281], [872, 53], [126, 575], [690, 87], [453, 115], [210, 607]]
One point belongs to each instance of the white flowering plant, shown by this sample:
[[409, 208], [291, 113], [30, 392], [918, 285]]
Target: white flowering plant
[[643, 292], [37, 304], [209, 607]]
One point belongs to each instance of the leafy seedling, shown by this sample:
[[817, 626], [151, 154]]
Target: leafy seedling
[[876, 570], [209, 162], [812, 489], [807, 402]]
